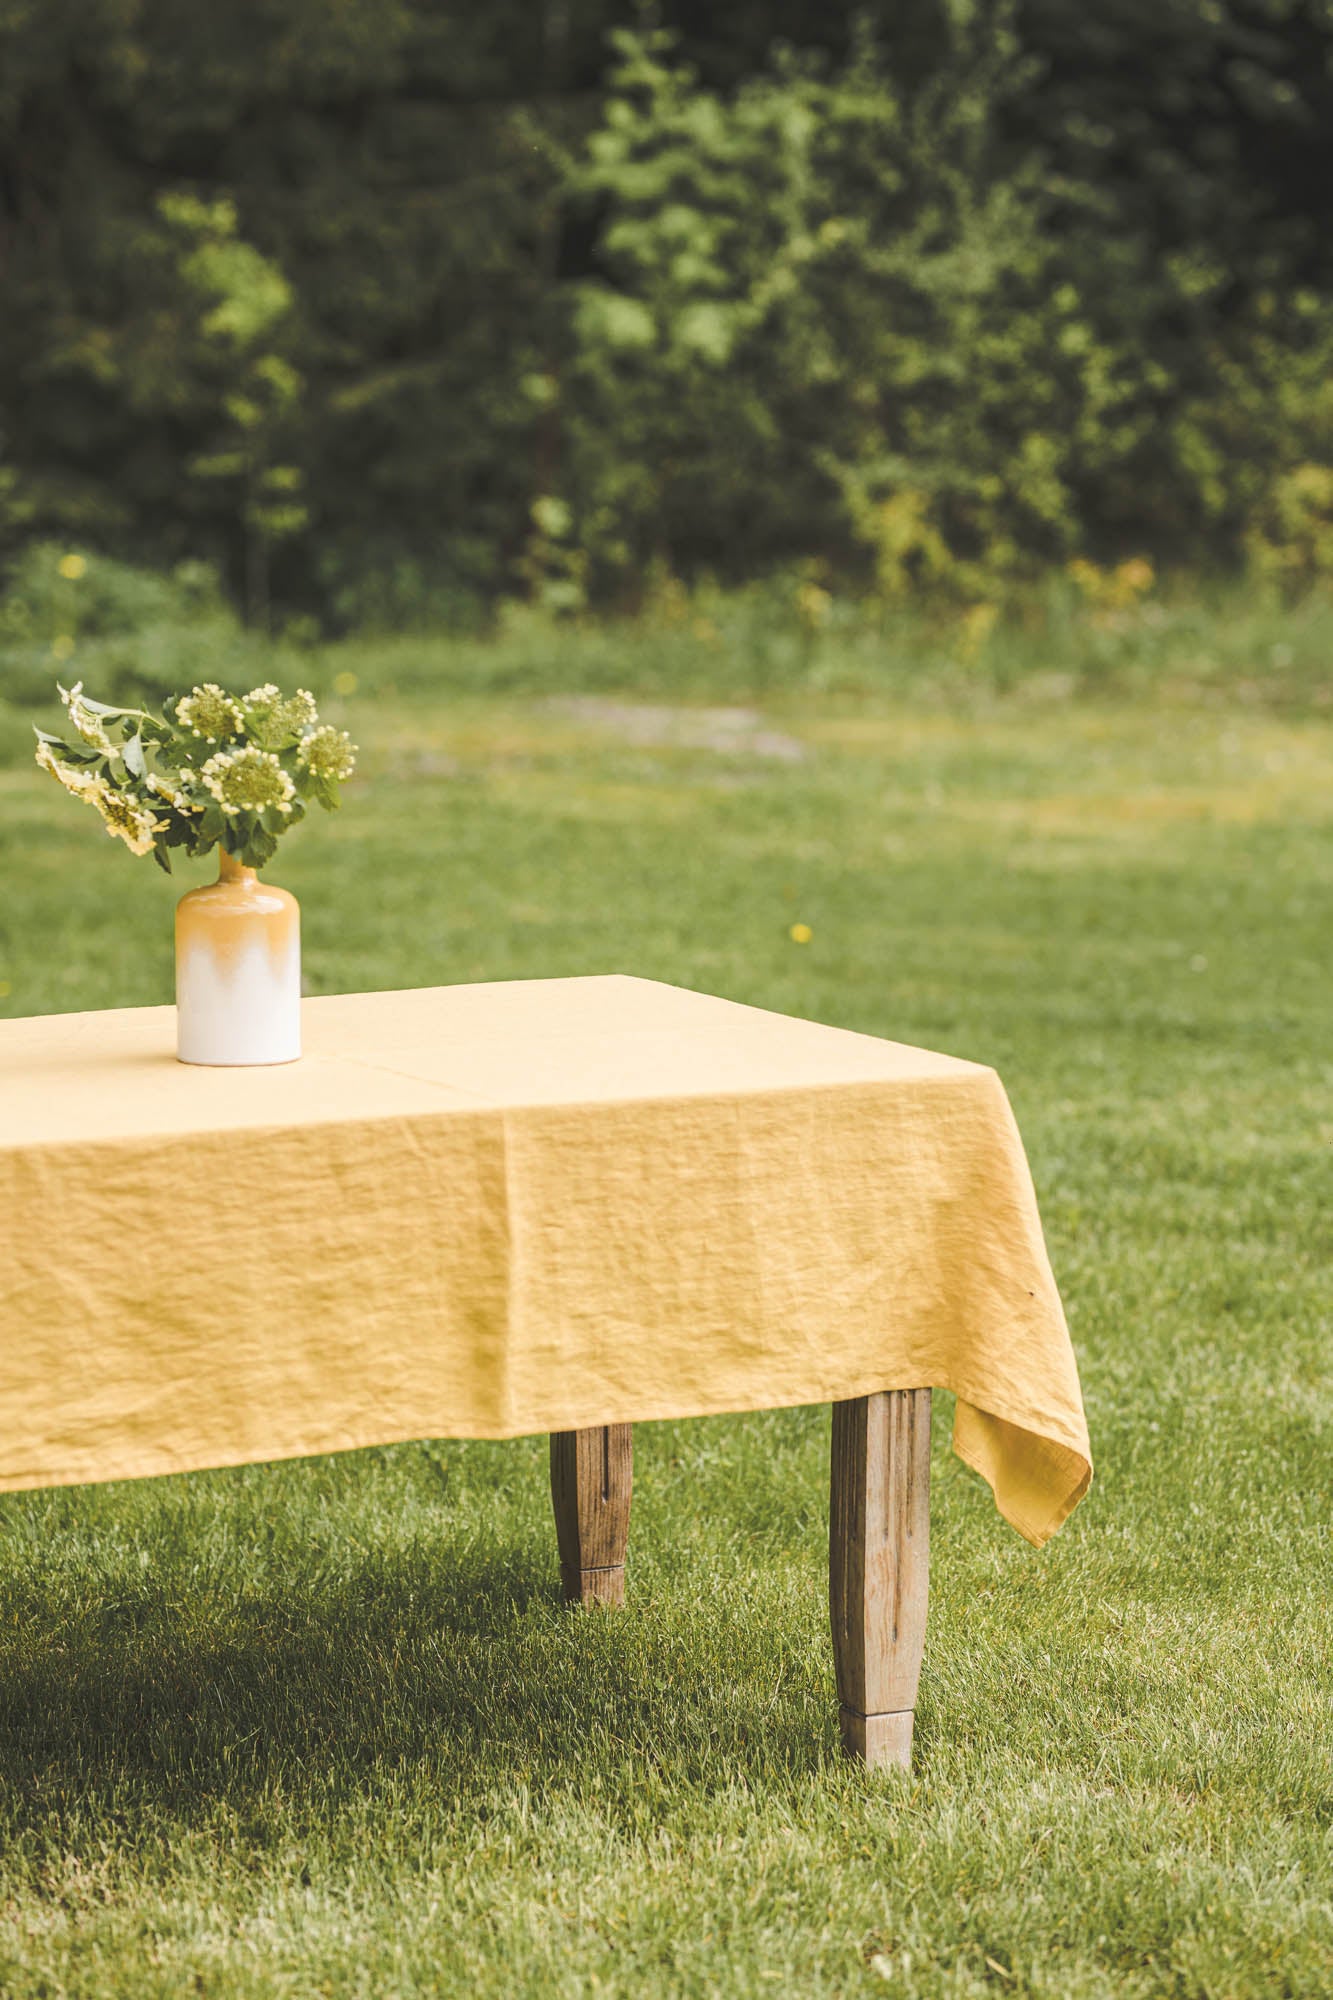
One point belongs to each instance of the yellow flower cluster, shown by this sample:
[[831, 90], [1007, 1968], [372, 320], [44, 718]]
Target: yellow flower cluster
[[814, 604], [979, 621], [1112, 589]]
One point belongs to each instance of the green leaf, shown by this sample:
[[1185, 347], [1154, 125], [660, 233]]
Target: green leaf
[[213, 824], [105, 708], [281, 479], [552, 516], [243, 411], [259, 847], [132, 752], [217, 465], [162, 858], [275, 522], [272, 734]]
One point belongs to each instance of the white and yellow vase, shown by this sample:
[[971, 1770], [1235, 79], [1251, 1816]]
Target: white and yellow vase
[[238, 971]]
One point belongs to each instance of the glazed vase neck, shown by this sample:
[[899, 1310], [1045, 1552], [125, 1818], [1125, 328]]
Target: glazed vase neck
[[232, 870]]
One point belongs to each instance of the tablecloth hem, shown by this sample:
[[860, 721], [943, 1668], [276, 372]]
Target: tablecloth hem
[[1036, 1525], [1034, 1528]]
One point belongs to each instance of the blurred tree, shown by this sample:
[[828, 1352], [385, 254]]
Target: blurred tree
[[1207, 125], [1079, 295], [241, 302], [827, 320]]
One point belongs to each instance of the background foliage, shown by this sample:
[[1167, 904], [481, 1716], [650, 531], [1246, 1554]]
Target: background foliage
[[395, 308]]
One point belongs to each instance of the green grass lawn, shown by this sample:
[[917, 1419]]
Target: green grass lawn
[[324, 1727]]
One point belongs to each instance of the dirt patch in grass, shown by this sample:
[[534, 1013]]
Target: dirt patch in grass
[[734, 732]]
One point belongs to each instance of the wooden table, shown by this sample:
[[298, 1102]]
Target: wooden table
[[562, 1206], [879, 1551]]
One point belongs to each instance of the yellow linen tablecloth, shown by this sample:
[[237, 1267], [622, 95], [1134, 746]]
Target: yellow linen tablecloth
[[482, 1211]]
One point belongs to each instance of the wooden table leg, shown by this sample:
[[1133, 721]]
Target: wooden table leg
[[592, 1472], [879, 1567]]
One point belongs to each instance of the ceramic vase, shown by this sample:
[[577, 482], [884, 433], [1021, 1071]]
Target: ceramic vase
[[238, 971]]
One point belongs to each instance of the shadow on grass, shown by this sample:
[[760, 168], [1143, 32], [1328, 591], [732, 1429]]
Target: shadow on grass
[[462, 1673]]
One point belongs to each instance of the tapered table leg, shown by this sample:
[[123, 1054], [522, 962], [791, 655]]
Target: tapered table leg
[[879, 1567], [592, 1472]]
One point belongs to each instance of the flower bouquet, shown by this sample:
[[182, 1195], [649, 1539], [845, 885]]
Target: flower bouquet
[[224, 771]]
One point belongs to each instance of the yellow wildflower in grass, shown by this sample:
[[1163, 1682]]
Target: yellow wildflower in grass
[[248, 780], [814, 604], [72, 567], [1115, 589], [1135, 577], [979, 621], [209, 713], [62, 645], [327, 752], [85, 720], [345, 683], [800, 933]]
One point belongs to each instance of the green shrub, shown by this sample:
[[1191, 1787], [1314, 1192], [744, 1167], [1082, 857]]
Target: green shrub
[[832, 318], [396, 312], [829, 321], [67, 614]]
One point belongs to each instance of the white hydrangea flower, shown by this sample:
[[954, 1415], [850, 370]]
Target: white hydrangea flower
[[76, 778], [248, 780], [173, 794], [88, 724], [126, 819], [209, 713], [327, 752], [124, 816], [305, 713], [271, 715]]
